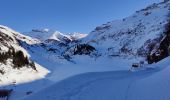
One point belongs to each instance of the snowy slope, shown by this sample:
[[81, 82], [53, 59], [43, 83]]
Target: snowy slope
[[17, 35], [133, 35], [52, 43], [47, 34], [76, 36], [149, 84], [11, 71], [109, 78], [89, 74]]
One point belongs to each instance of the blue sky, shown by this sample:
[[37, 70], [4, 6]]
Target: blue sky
[[65, 15]]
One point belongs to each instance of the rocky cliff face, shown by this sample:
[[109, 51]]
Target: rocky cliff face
[[162, 49]]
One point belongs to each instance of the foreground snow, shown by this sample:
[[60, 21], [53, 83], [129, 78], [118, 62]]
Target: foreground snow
[[23, 75], [149, 84], [61, 72]]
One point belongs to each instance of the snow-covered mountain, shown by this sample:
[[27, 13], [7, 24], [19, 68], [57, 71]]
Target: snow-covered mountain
[[103, 58], [46, 34], [52, 43], [134, 35], [76, 36], [138, 35]]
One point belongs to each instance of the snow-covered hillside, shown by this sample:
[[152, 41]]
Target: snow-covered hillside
[[76, 36], [106, 73], [97, 66], [52, 44], [134, 35], [14, 59]]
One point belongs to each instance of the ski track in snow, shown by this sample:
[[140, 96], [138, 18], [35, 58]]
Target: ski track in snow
[[76, 87], [80, 89]]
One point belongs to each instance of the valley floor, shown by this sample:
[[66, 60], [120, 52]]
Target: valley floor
[[100, 80], [149, 84]]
